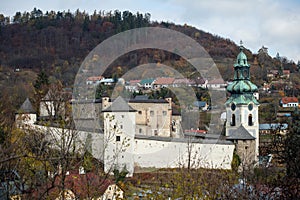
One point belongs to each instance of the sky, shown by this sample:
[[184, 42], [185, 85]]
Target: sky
[[274, 24]]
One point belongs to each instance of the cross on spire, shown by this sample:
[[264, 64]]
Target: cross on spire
[[241, 45]]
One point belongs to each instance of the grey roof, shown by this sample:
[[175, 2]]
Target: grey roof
[[273, 126], [26, 107], [119, 105], [240, 134], [141, 97]]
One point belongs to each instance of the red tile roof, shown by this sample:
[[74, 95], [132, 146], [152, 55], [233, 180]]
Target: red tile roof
[[95, 78], [164, 81], [286, 71], [216, 81], [286, 100]]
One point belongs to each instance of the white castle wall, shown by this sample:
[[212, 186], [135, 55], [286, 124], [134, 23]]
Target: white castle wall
[[149, 153], [172, 154]]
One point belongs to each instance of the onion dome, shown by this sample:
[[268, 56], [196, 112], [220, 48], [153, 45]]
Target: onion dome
[[242, 89]]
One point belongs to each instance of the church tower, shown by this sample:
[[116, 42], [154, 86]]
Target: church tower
[[242, 123]]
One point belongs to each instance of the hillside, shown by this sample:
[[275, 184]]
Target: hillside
[[57, 43]]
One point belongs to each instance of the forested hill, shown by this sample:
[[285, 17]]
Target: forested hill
[[40, 40], [57, 43]]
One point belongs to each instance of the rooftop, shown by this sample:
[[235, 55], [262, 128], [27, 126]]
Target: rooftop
[[240, 134]]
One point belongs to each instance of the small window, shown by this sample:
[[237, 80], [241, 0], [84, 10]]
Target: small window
[[121, 126], [140, 112], [164, 113], [140, 130], [122, 116], [118, 138], [250, 120], [232, 120], [151, 113]]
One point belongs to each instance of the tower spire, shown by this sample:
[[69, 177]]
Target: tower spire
[[241, 45]]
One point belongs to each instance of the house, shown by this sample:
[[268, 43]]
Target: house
[[202, 105], [179, 82], [132, 85], [94, 80], [266, 87], [107, 81], [84, 186], [163, 82], [273, 74], [270, 128], [286, 74], [147, 83], [288, 102], [201, 82], [216, 84]]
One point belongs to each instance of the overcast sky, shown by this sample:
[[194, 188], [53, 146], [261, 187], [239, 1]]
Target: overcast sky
[[272, 23]]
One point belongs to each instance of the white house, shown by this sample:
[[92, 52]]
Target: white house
[[287, 102]]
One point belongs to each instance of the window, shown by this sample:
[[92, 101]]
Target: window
[[140, 112], [233, 120], [122, 116], [121, 126], [140, 130], [164, 113], [250, 122], [151, 113], [118, 138]]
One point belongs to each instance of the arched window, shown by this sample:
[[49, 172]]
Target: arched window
[[250, 121], [232, 120]]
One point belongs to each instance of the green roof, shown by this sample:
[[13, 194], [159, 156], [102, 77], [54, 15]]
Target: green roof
[[241, 86], [243, 99], [147, 81], [241, 89]]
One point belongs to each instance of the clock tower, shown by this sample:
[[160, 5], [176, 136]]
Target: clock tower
[[242, 123]]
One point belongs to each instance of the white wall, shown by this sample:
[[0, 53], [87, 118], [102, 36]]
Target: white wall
[[162, 154]]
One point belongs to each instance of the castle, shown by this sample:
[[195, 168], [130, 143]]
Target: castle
[[145, 134]]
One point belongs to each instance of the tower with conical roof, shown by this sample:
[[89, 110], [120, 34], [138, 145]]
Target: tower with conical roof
[[241, 107]]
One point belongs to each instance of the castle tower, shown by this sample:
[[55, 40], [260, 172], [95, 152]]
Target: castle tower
[[119, 133], [26, 114], [242, 125]]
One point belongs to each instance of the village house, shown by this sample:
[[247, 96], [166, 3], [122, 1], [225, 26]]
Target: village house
[[132, 85], [163, 82], [147, 83], [94, 80], [285, 74], [288, 102], [201, 105], [86, 186], [182, 82], [201, 82], [216, 84], [273, 128]]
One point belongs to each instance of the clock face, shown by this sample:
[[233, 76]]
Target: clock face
[[250, 106], [233, 106]]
